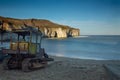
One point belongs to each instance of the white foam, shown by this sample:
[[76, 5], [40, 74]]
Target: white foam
[[59, 55], [80, 36]]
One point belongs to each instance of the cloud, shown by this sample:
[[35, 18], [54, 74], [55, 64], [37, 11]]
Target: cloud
[[92, 27], [88, 23]]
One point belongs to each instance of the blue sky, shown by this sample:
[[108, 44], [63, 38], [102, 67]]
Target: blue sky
[[92, 17]]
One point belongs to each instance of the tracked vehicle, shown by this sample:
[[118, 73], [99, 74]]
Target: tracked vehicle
[[25, 51]]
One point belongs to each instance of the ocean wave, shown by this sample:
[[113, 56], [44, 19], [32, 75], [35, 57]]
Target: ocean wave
[[81, 36]]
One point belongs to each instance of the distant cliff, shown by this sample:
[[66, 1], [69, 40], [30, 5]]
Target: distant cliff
[[48, 28]]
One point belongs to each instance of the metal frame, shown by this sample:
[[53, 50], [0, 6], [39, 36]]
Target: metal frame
[[21, 59]]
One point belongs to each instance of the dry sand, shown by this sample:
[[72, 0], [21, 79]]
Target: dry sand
[[62, 69]]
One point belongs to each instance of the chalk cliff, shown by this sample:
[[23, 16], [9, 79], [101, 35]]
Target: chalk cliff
[[48, 28]]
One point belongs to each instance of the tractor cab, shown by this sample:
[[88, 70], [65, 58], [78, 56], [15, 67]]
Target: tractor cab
[[24, 42], [25, 50]]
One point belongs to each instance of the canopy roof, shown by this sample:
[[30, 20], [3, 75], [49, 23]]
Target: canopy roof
[[27, 31]]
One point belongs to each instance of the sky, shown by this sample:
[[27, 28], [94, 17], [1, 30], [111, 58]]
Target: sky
[[92, 17]]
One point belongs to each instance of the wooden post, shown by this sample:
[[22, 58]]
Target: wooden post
[[1, 37], [30, 37], [1, 32], [40, 40], [36, 43], [30, 41], [11, 46]]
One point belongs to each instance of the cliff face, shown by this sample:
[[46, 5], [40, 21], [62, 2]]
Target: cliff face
[[48, 28]]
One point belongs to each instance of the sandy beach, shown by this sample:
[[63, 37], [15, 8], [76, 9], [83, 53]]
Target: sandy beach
[[62, 69]]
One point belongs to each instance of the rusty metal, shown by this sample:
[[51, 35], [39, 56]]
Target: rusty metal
[[24, 54]]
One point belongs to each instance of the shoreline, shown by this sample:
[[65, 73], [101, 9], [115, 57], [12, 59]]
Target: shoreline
[[63, 69], [84, 58]]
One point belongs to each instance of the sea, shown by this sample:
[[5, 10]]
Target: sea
[[95, 47]]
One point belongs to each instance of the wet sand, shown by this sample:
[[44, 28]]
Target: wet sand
[[63, 69]]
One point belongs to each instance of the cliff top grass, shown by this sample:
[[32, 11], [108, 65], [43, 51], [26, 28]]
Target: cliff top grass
[[41, 23]]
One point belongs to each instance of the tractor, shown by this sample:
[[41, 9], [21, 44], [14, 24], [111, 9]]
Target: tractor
[[25, 50]]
